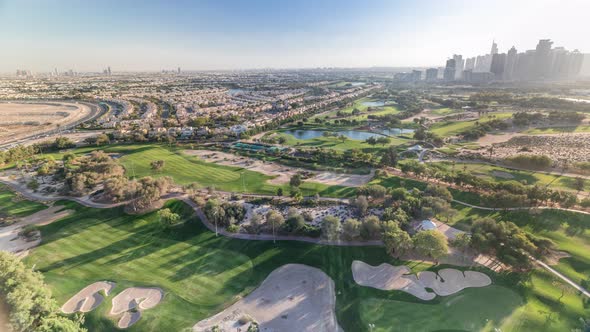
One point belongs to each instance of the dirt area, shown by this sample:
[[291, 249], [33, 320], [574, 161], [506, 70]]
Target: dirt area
[[4, 317], [10, 240], [571, 147], [282, 174], [293, 298], [132, 301], [554, 256], [21, 120], [389, 277], [89, 298], [490, 139]]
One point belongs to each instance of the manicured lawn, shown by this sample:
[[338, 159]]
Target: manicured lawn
[[201, 274], [185, 169], [12, 206], [388, 108], [502, 174], [337, 144], [472, 309], [451, 128]]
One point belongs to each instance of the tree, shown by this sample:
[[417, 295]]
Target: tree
[[168, 218], [157, 165], [389, 157], [279, 191], [370, 228], [383, 140], [462, 241], [438, 191], [282, 140], [397, 241], [431, 244], [579, 184], [275, 220], [342, 138], [351, 229], [331, 228], [214, 212], [361, 204], [371, 140], [295, 180], [102, 139]]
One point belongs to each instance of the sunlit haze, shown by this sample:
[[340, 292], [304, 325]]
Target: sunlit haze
[[199, 35]]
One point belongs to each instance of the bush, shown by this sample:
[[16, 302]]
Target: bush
[[233, 228], [29, 230], [530, 161]]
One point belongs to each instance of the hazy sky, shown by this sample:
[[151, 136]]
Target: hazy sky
[[88, 35]]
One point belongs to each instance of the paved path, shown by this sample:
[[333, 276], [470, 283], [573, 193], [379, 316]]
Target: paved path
[[562, 277]]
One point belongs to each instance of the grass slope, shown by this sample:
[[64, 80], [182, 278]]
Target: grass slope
[[202, 273], [13, 206]]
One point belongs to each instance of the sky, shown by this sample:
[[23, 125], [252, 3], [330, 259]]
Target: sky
[[130, 35]]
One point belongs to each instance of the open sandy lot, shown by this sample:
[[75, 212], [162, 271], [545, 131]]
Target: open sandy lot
[[293, 298], [10, 240], [281, 173], [132, 300], [389, 277], [21, 119], [89, 298]]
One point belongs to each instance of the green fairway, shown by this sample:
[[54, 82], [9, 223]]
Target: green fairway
[[501, 174], [450, 128], [472, 309], [185, 169], [13, 206], [337, 144], [201, 274], [388, 108]]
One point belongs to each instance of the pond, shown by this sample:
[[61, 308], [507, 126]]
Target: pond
[[233, 92], [376, 103], [304, 134]]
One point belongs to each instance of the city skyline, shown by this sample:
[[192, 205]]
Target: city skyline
[[137, 36]]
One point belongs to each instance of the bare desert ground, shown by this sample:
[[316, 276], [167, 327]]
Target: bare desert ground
[[293, 298], [22, 119]]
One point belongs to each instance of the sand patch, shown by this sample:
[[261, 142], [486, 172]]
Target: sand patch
[[281, 173], [503, 175], [89, 298], [132, 300], [389, 277], [10, 240], [293, 297]]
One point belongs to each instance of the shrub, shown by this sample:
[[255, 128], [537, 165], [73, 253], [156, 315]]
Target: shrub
[[233, 228]]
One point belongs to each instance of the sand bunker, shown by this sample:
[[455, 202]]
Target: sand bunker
[[132, 300], [293, 297], [281, 173], [10, 240], [389, 277], [88, 298]]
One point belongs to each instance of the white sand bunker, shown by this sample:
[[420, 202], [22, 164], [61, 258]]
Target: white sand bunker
[[389, 277], [132, 300], [293, 297], [88, 298]]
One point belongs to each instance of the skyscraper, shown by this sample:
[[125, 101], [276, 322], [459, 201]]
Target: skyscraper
[[431, 74], [459, 64], [494, 48], [498, 65], [450, 70], [470, 63], [511, 58], [542, 65]]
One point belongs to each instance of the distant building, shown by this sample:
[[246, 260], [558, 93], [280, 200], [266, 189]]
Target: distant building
[[450, 70], [459, 64], [470, 63], [431, 74], [494, 49], [498, 65], [542, 62], [511, 58]]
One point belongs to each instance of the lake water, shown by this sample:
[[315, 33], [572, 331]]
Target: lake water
[[233, 92], [378, 103], [304, 134]]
